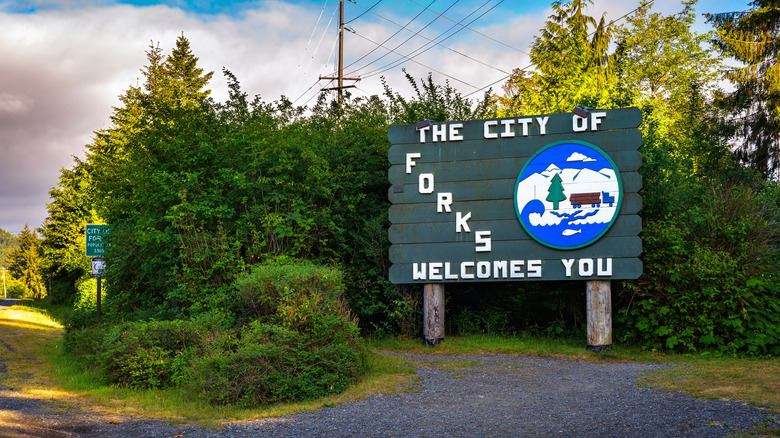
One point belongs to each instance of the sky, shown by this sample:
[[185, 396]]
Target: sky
[[63, 63]]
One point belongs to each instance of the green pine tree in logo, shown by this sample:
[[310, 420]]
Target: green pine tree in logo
[[556, 191]]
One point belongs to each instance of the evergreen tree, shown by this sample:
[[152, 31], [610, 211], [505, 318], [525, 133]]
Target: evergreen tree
[[26, 263], [572, 65], [555, 191], [753, 38], [63, 231], [7, 243]]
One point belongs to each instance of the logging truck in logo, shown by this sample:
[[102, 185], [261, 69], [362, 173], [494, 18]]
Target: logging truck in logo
[[568, 195]]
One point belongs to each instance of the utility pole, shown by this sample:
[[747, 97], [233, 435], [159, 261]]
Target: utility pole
[[340, 78], [5, 293]]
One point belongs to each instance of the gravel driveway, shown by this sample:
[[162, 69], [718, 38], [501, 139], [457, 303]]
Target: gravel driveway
[[457, 395]]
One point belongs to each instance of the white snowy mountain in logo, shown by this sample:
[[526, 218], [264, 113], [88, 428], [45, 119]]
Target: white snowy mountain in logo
[[586, 183]]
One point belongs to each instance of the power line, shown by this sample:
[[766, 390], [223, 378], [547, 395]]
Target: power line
[[319, 43], [423, 49], [418, 62], [386, 40], [306, 49], [473, 30], [364, 12]]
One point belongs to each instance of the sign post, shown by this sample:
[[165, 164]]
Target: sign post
[[546, 197], [95, 248]]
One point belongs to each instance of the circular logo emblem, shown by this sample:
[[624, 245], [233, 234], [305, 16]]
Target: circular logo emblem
[[568, 195]]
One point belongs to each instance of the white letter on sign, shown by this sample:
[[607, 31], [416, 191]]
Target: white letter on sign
[[568, 263], [444, 203], [410, 161], [422, 133], [460, 222], [487, 126], [418, 271], [595, 120], [578, 124], [455, 135], [439, 133], [602, 269], [483, 238], [542, 124], [426, 183]]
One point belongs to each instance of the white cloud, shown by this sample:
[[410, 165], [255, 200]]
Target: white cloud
[[580, 157]]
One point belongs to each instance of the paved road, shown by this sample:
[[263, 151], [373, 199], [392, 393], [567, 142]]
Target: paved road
[[5, 303]]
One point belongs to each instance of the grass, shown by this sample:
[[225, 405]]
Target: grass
[[746, 380], [30, 340]]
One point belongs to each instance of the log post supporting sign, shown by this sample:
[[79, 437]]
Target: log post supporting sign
[[599, 312], [532, 198], [433, 314]]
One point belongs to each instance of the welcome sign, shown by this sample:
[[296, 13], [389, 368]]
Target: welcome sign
[[547, 197]]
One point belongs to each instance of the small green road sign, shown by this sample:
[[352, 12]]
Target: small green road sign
[[94, 240]]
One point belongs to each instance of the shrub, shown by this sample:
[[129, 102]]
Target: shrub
[[710, 279], [301, 342]]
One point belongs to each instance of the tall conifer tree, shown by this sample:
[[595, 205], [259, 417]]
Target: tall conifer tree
[[753, 38]]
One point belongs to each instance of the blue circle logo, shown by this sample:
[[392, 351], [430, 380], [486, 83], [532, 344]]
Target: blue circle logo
[[568, 195]]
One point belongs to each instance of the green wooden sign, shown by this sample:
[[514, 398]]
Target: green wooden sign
[[94, 240], [548, 197]]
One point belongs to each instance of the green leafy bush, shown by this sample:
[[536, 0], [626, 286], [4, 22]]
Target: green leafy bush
[[302, 341], [710, 280], [294, 339]]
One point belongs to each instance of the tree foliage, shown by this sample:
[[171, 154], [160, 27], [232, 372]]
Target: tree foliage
[[753, 38], [199, 193], [63, 245], [7, 243], [25, 263]]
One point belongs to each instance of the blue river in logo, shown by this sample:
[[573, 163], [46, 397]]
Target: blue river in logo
[[554, 234]]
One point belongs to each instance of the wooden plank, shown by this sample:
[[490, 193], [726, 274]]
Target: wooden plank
[[480, 190], [476, 170], [627, 140], [511, 249], [599, 314], [625, 225], [622, 118], [433, 314], [553, 269], [490, 210]]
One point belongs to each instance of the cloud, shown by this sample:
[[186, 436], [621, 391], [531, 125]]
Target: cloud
[[64, 66], [580, 157]]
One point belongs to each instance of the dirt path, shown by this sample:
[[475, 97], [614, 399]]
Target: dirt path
[[457, 395]]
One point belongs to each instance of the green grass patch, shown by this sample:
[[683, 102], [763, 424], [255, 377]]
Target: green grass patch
[[524, 344], [386, 375], [31, 341], [753, 381]]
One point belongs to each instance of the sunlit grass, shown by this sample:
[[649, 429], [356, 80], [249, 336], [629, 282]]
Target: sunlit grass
[[31, 340], [385, 375], [753, 381]]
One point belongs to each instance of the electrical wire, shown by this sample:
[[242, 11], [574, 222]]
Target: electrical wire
[[423, 48], [313, 31], [386, 40], [364, 12], [473, 30], [418, 62]]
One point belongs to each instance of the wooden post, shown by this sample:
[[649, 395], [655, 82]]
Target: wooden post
[[599, 311], [433, 314], [97, 303]]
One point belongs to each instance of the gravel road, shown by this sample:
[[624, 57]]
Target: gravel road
[[457, 395]]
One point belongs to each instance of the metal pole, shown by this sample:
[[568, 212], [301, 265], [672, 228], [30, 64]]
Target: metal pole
[[341, 52], [97, 304]]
